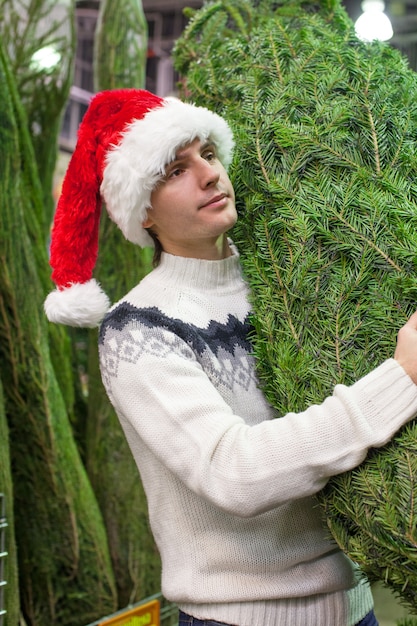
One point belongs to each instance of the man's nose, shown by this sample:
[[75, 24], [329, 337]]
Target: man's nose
[[209, 175]]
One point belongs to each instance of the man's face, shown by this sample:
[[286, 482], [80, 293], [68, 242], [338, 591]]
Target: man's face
[[194, 204]]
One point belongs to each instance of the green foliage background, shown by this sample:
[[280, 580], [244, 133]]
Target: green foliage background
[[11, 602], [64, 564], [325, 176], [74, 500]]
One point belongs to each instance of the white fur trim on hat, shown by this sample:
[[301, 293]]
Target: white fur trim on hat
[[81, 304], [134, 166]]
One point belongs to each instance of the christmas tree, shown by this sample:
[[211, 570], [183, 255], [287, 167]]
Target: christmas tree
[[325, 175]]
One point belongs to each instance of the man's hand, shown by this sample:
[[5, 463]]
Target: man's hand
[[406, 350]]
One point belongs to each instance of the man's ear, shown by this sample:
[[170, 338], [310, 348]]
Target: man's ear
[[148, 222]]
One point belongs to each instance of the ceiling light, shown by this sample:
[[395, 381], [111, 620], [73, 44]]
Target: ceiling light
[[373, 23], [45, 59]]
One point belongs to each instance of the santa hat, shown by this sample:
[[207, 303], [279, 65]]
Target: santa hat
[[125, 140]]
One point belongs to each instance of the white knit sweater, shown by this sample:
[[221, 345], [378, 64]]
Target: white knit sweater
[[230, 490]]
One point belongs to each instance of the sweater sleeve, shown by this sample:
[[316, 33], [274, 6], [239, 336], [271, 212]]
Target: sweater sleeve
[[170, 404]]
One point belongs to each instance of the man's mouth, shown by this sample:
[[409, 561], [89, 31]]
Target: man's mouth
[[218, 199]]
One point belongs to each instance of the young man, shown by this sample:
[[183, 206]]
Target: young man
[[230, 490]]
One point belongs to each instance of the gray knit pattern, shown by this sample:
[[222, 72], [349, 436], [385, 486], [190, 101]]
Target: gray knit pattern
[[222, 350]]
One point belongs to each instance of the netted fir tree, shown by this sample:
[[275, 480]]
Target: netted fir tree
[[120, 52], [325, 175], [64, 568], [39, 38], [9, 592]]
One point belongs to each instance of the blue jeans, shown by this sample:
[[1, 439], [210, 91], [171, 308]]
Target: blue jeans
[[369, 620], [187, 620]]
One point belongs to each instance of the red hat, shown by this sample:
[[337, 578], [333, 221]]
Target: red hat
[[125, 140]]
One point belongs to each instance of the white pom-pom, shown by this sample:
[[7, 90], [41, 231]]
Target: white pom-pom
[[81, 304]]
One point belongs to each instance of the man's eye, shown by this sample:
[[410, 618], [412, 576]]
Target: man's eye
[[175, 172], [210, 155]]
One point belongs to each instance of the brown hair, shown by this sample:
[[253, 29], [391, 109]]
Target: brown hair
[[158, 248]]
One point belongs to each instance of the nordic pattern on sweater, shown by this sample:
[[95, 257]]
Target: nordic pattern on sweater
[[228, 342]]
